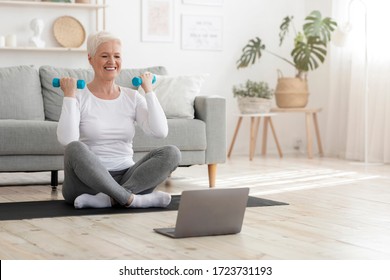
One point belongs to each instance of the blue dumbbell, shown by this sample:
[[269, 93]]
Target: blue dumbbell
[[80, 83], [137, 81]]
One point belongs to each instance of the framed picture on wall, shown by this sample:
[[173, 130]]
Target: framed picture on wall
[[204, 2], [157, 20], [201, 32]]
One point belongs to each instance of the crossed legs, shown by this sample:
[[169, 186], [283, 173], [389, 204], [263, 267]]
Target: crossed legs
[[87, 182]]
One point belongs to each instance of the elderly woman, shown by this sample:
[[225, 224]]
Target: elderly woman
[[97, 126]]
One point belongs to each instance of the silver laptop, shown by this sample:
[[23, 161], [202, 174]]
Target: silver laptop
[[209, 212]]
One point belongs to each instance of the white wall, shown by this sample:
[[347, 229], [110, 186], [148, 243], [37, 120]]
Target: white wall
[[243, 19]]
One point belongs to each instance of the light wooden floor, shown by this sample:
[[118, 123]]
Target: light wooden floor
[[337, 210]]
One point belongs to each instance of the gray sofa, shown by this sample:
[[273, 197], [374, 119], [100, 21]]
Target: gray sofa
[[30, 108]]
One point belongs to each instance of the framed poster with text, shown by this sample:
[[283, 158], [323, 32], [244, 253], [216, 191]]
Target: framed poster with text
[[201, 32]]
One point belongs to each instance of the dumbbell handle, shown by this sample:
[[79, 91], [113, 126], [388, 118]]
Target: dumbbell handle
[[137, 81], [80, 83]]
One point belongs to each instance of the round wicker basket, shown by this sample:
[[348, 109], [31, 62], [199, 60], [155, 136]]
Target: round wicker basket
[[291, 93], [69, 32]]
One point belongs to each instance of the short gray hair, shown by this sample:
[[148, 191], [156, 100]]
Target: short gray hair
[[96, 39]]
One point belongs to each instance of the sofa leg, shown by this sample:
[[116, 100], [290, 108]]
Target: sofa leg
[[212, 168], [54, 180]]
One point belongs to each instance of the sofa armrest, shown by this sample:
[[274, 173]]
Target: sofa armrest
[[212, 110]]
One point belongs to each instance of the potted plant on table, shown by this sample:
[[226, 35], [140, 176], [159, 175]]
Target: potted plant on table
[[253, 97], [310, 50]]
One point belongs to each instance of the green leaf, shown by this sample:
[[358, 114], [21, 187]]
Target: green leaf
[[250, 53], [308, 56], [284, 28], [316, 26]]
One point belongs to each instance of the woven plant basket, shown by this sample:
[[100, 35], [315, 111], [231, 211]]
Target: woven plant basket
[[254, 105], [291, 93]]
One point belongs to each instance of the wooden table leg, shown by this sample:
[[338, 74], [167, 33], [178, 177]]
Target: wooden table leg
[[309, 137], [317, 129], [265, 136], [276, 138], [253, 136], [257, 124], [235, 136]]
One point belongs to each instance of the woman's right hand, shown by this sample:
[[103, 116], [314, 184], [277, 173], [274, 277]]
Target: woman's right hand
[[68, 86], [147, 82]]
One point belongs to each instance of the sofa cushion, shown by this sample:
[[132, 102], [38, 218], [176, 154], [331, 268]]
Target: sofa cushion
[[177, 94], [126, 75], [19, 137], [20, 94], [52, 97], [186, 134]]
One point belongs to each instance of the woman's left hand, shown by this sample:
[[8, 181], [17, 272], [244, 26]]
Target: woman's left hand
[[147, 78]]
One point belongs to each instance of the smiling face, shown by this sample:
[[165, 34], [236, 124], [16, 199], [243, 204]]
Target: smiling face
[[107, 61]]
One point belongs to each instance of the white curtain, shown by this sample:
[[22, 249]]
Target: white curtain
[[346, 124]]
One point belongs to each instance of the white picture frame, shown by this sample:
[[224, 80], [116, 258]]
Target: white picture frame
[[202, 32], [204, 2], [157, 21]]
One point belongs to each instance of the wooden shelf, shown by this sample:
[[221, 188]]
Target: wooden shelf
[[54, 49], [52, 4], [98, 7]]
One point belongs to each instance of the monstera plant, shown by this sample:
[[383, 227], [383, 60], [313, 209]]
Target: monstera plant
[[308, 53], [310, 44]]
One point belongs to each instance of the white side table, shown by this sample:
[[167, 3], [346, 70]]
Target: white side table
[[254, 128]]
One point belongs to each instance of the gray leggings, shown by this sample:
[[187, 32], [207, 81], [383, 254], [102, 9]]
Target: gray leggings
[[84, 173]]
